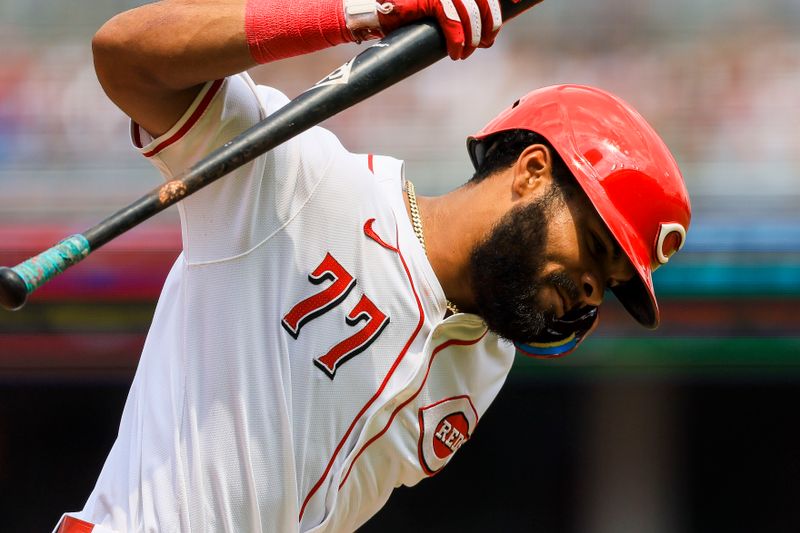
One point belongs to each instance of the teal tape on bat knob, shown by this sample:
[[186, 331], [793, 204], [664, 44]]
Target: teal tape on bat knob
[[38, 270]]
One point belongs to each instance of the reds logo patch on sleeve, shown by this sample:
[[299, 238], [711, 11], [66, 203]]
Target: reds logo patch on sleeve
[[444, 427]]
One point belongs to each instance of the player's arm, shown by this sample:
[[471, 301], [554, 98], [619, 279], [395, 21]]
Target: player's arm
[[153, 60]]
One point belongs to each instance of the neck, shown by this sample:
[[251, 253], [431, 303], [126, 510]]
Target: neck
[[453, 224]]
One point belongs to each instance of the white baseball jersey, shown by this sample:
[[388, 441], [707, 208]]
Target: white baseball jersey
[[298, 367]]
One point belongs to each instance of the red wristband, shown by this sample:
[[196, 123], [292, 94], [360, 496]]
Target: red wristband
[[277, 29]]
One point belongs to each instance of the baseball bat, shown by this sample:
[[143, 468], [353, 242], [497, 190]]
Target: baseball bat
[[396, 57]]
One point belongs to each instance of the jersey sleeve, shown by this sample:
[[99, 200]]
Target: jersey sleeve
[[238, 212]]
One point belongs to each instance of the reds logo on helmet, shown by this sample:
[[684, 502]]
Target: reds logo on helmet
[[670, 239], [444, 427], [621, 164]]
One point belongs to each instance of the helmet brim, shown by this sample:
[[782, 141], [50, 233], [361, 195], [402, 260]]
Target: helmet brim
[[638, 301]]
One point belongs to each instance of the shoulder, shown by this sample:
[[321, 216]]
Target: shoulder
[[222, 109]]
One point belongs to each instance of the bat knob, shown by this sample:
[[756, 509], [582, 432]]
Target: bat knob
[[13, 292]]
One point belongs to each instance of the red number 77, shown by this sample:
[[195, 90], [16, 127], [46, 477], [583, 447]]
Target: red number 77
[[320, 303]]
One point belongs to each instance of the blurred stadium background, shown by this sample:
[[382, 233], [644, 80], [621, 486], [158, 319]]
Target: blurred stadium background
[[692, 428]]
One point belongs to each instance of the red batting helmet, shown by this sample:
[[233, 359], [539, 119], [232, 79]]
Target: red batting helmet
[[624, 168]]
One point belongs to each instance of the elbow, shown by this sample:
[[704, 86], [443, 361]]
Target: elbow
[[123, 59], [108, 39], [112, 54]]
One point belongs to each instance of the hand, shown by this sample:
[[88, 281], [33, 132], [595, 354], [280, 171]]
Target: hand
[[467, 24]]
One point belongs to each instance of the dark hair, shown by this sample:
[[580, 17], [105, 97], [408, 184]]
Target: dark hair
[[504, 148]]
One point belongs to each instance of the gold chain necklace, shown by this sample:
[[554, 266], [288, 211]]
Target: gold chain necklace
[[416, 222]]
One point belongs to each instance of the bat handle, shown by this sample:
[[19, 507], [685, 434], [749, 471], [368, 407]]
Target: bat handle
[[16, 283], [13, 292]]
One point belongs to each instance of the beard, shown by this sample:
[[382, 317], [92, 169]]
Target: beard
[[506, 272]]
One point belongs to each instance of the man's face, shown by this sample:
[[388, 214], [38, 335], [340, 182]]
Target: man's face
[[544, 259]]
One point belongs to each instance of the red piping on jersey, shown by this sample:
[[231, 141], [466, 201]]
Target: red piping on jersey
[[438, 349], [137, 137], [195, 116], [460, 396], [371, 234], [370, 163], [422, 462], [73, 525]]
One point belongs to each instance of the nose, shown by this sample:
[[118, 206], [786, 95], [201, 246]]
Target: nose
[[592, 289]]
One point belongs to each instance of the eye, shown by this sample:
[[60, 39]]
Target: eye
[[616, 251], [595, 245]]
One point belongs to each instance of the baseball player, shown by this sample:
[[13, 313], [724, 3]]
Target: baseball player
[[326, 335]]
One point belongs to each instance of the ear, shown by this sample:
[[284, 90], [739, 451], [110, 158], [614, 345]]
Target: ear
[[533, 171]]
